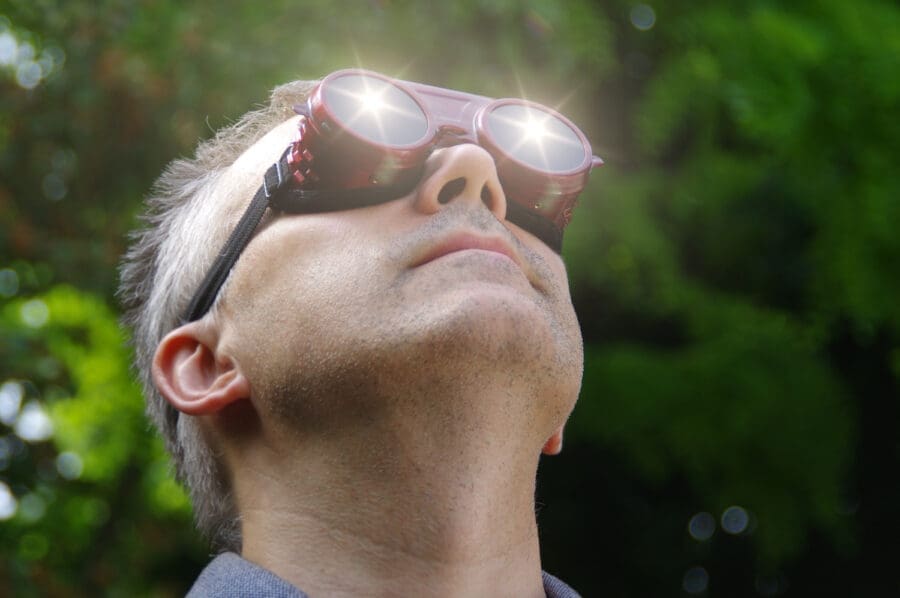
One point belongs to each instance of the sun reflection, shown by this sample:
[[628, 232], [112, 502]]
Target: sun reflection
[[535, 130], [376, 107], [539, 132], [371, 101]]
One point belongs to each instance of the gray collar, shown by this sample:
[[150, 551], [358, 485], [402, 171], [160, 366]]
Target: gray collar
[[230, 576]]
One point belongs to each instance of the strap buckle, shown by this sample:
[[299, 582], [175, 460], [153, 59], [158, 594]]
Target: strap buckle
[[275, 178]]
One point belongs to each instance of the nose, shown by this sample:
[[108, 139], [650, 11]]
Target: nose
[[461, 173]]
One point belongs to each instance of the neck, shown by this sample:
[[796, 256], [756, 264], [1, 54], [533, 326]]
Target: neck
[[385, 509]]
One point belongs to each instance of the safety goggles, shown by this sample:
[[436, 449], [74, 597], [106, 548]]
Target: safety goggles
[[363, 139]]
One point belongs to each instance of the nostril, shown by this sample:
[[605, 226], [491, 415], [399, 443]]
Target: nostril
[[451, 189], [487, 197]]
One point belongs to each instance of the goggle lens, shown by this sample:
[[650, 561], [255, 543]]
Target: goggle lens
[[376, 110], [536, 138]]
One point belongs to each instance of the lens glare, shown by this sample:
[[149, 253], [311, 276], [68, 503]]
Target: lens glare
[[375, 110], [536, 137]]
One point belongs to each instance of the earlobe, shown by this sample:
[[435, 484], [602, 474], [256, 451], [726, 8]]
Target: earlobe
[[192, 376], [553, 446]]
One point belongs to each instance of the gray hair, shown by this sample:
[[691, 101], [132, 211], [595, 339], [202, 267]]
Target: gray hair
[[188, 217]]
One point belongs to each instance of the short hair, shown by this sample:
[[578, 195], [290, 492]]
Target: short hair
[[187, 220]]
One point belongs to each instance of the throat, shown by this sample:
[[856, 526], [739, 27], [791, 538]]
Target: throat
[[393, 515]]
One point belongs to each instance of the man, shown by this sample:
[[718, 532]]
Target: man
[[360, 409]]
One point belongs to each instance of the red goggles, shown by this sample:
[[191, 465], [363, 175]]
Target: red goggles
[[363, 139]]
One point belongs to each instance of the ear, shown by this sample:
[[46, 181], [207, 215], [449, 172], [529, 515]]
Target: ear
[[192, 375], [554, 444]]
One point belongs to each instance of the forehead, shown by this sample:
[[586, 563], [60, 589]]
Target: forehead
[[239, 182]]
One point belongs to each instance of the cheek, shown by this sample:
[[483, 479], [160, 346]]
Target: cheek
[[296, 285], [567, 332]]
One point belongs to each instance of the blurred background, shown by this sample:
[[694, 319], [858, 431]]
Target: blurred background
[[735, 267]]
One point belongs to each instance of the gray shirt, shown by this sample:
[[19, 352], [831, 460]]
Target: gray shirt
[[230, 576]]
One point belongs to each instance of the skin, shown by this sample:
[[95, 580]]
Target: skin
[[381, 414]]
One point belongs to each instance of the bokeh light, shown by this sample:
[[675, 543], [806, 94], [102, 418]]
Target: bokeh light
[[9, 282], [32, 507], [702, 526], [770, 585], [8, 503], [28, 66], [54, 187], [735, 520], [695, 581], [69, 465], [34, 424], [642, 17], [8, 48], [34, 313], [11, 394], [28, 74]]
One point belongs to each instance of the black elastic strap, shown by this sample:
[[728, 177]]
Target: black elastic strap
[[312, 201], [273, 182], [218, 272]]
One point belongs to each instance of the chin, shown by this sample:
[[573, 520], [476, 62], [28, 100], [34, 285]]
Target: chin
[[508, 340], [495, 326]]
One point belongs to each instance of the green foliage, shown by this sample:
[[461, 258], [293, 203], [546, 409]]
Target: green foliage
[[740, 413], [105, 476], [759, 219]]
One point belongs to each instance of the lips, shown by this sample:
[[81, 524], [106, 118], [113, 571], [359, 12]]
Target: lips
[[468, 241]]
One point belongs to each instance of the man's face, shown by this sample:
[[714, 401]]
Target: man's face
[[344, 315]]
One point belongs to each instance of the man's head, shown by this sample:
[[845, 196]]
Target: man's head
[[344, 325]]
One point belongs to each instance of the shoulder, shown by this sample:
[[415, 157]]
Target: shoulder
[[230, 576], [556, 588]]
